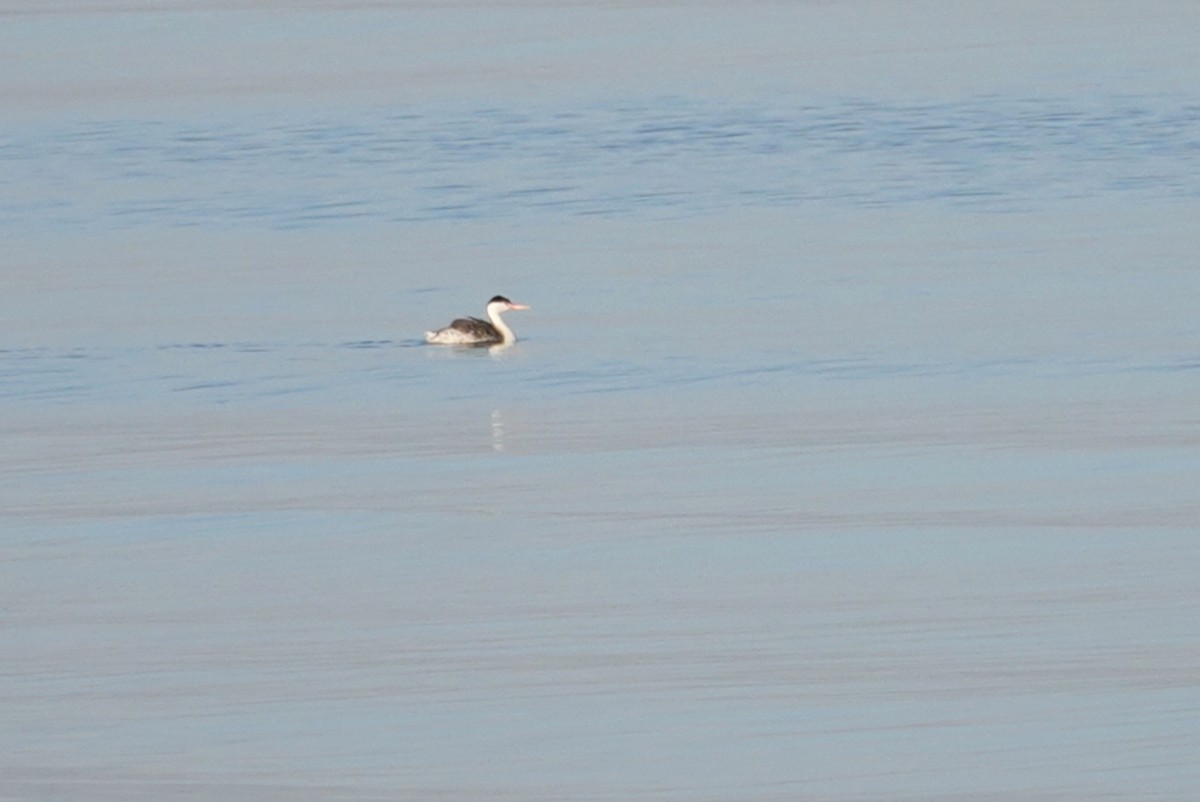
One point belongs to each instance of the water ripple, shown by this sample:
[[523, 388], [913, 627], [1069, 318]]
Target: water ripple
[[216, 372], [664, 155]]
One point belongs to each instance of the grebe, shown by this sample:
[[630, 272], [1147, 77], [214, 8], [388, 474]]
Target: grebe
[[473, 331]]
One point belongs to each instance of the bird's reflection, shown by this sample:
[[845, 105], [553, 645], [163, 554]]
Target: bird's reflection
[[498, 349], [497, 430]]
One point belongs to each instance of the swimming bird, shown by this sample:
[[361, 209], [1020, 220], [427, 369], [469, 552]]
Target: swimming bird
[[473, 331]]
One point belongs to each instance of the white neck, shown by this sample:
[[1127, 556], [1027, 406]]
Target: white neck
[[506, 333]]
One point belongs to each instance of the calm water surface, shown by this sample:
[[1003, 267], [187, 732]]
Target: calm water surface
[[849, 451]]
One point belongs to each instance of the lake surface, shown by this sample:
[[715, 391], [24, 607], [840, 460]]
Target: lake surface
[[850, 450]]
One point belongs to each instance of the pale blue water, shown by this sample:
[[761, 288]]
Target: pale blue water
[[849, 451], [662, 156]]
